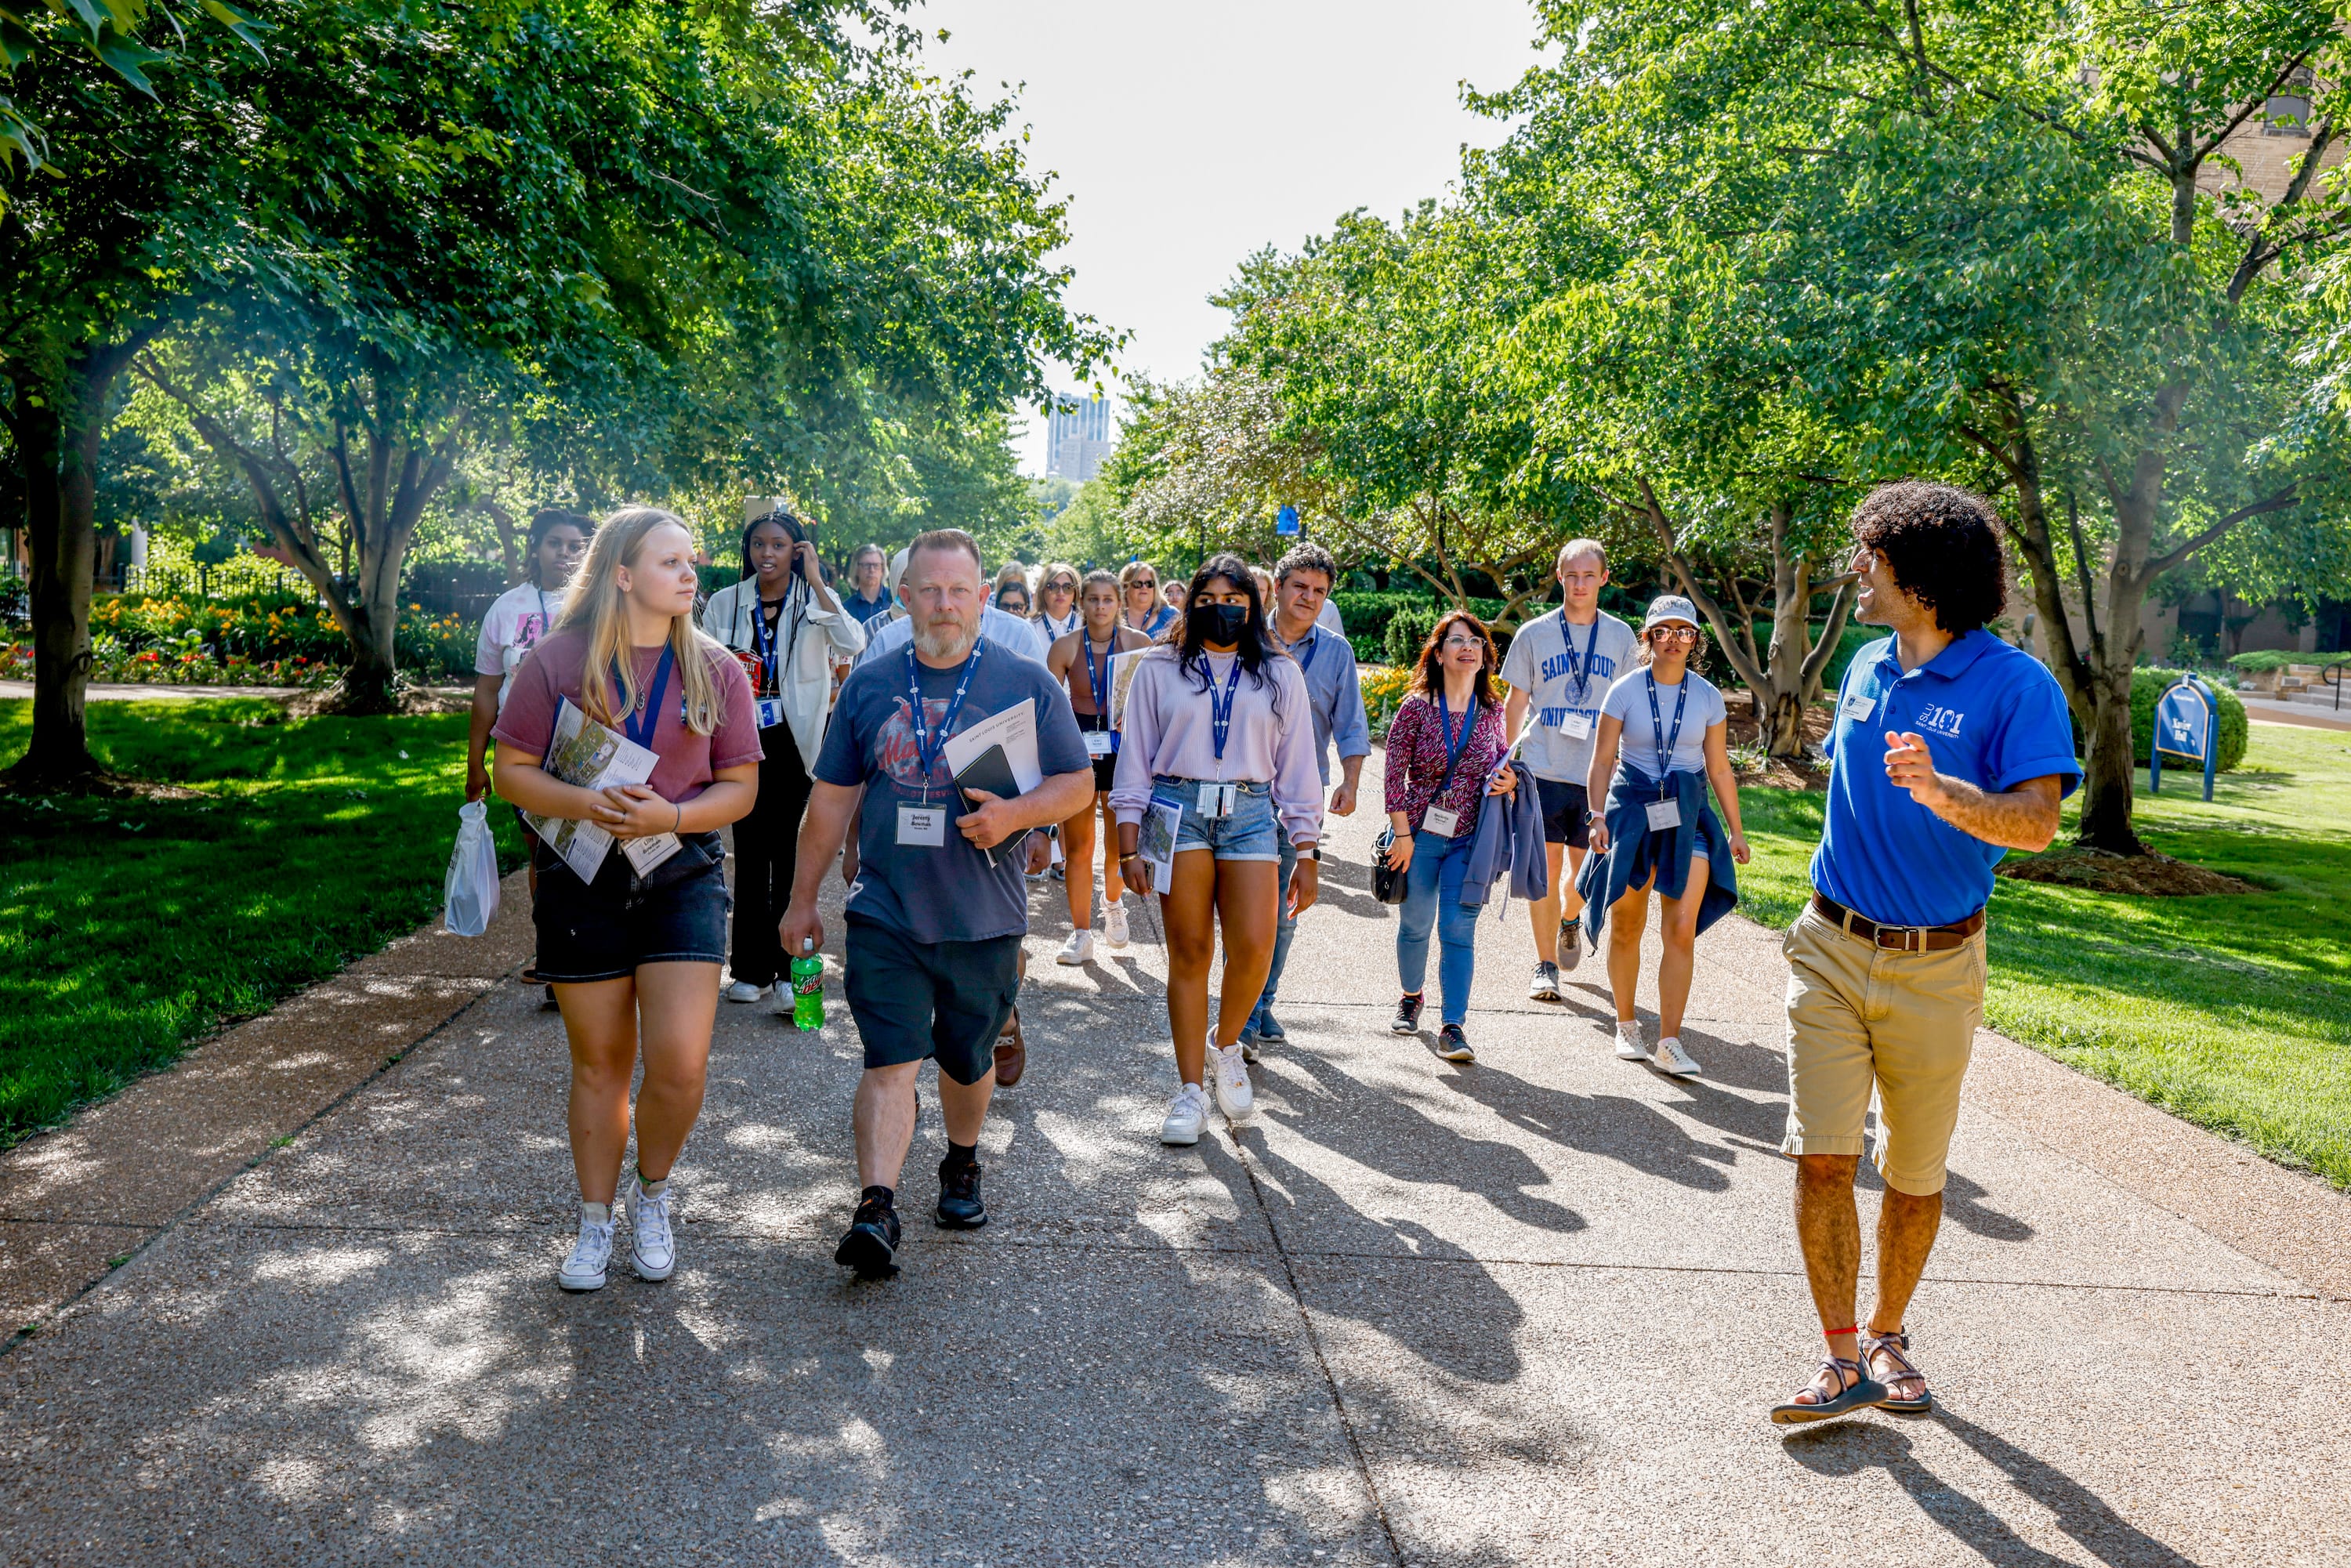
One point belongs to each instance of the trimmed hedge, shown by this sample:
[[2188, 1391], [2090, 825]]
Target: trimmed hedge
[[2268, 659], [2147, 684]]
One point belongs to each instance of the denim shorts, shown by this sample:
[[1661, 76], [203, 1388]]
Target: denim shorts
[[1252, 832], [602, 930]]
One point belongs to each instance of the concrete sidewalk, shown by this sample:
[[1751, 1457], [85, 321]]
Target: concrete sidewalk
[[1529, 1310]]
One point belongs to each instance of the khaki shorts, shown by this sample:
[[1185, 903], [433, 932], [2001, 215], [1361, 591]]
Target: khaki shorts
[[1859, 1017]]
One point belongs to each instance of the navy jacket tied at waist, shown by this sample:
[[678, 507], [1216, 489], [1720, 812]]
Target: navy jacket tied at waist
[[1634, 851]]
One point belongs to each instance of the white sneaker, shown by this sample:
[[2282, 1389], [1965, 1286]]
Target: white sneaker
[[1235, 1098], [1078, 949], [1186, 1114], [1630, 1047], [1670, 1059], [584, 1269], [744, 991], [652, 1250], [1114, 923]]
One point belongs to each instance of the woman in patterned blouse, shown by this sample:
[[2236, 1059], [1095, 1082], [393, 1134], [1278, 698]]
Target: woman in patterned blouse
[[1443, 749]]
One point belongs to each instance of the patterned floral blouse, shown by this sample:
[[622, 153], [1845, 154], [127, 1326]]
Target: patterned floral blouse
[[1416, 761]]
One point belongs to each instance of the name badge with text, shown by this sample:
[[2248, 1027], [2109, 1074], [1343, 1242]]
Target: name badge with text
[[772, 711], [1576, 725], [1443, 823], [1101, 742], [922, 827], [1664, 815], [1216, 800], [1857, 705]]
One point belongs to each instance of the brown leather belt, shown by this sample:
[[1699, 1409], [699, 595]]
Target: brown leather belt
[[1903, 938]]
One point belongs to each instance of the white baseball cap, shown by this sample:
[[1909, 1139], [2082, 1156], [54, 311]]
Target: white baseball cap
[[1667, 607]]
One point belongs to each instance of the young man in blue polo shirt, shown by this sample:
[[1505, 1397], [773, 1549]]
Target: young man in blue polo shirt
[[1949, 748]]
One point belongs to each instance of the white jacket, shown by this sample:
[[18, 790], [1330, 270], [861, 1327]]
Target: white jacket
[[804, 680]]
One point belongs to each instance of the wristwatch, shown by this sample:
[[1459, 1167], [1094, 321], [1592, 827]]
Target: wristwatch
[[1309, 852]]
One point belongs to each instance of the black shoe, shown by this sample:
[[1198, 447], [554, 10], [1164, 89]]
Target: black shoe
[[1408, 1019], [870, 1248], [959, 1205], [1453, 1045], [548, 1004]]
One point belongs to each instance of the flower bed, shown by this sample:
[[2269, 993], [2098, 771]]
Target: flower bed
[[262, 640]]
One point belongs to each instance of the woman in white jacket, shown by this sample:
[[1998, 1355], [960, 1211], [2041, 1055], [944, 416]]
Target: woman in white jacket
[[783, 623]]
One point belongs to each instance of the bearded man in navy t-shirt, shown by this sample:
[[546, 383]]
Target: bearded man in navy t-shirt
[[1949, 748]]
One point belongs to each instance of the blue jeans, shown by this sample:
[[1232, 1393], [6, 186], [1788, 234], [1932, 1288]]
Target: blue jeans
[[1432, 898], [1283, 934]]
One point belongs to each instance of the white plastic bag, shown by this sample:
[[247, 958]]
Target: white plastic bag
[[470, 895]]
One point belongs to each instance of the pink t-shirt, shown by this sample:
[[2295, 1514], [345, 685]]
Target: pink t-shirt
[[688, 761]]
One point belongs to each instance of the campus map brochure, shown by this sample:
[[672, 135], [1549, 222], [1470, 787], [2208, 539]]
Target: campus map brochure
[[593, 756], [1156, 843]]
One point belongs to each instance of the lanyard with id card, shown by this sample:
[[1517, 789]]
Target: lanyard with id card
[[926, 826], [1102, 742], [1665, 812], [1216, 800], [1435, 819], [1577, 721]]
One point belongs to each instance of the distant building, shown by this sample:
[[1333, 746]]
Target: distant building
[[1076, 443]]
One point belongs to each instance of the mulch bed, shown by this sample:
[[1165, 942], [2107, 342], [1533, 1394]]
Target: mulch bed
[[2103, 870], [1741, 728]]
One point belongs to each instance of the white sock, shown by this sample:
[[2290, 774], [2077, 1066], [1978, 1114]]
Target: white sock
[[651, 1188], [595, 1214]]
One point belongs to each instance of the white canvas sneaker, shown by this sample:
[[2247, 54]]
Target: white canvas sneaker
[[1078, 949], [584, 1269], [1186, 1114], [1671, 1059], [744, 991], [652, 1250], [1235, 1098], [1630, 1047], [1114, 923]]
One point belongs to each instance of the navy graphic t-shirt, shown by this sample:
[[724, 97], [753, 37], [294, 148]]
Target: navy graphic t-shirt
[[946, 893]]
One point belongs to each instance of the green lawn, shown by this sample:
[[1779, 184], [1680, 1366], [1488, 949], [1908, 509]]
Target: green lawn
[[2233, 1012], [131, 928]]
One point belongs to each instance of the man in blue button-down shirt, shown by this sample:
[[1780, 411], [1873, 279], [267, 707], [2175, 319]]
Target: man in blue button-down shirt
[[1301, 590], [1949, 748]]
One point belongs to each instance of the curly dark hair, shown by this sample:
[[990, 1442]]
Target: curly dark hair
[[1427, 680], [1942, 545]]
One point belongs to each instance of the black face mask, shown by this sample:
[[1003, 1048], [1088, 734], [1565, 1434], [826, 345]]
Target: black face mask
[[1218, 622]]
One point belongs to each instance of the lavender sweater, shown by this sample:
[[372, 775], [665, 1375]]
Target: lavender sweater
[[1167, 732]]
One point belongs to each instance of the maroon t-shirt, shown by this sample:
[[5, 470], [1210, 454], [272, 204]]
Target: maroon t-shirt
[[688, 761]]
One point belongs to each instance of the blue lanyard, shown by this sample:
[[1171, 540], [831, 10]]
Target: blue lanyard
[[1221, 714], [1580, 668], [927, 746], [763, 636], [1658, 725], [640, 725], [1097, 684], [1453, 748], [1306, 659]]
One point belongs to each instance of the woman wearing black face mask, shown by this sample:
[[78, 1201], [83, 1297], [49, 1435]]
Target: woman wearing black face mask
[[1218, 734]]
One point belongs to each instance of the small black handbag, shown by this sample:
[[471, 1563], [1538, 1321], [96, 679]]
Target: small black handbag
[[1387, 882]]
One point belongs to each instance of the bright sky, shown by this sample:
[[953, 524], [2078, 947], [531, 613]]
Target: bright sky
[[1187, 136]]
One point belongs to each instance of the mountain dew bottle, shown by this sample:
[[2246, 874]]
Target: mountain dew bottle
[[808, 987]]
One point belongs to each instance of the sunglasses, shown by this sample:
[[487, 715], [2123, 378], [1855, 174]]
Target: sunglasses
[[1678, 633], [1143, 583]]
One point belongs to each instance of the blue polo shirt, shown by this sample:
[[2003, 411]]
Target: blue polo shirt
[[1991, 714]]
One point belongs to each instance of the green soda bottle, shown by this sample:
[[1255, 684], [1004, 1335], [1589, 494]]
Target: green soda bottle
[[808, 987]]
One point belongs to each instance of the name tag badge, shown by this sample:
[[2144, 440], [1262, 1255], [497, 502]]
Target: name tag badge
[[1101, 742], [772, 711], [1576, 725], [922, 827], [1216, 800], [1664, 815], [1443, 823], [1859, 707]]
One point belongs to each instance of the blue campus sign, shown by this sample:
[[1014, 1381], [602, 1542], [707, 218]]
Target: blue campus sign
[[2187, 725], [1285, 521]]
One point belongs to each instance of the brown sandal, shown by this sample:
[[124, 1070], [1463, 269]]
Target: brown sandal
[[1891, 1346]]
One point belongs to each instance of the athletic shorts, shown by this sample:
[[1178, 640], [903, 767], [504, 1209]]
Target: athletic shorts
[[913, 1000], [602, 930], [1106, 767], [1863, 1017], [1563, 806]]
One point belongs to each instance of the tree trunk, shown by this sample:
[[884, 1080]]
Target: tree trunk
[[60, 517], [2110, 769]]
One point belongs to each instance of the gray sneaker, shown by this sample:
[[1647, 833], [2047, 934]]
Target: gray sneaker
[[1544, 987], [1570, 944]]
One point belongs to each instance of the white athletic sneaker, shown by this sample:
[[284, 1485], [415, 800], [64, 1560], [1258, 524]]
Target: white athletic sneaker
[[652, 1250], [1630, 1047], [584, 1269], [1670, 1059], [1078, 949], [1186, 1114], [744, 991], [1234, 1096], [1114, 923]]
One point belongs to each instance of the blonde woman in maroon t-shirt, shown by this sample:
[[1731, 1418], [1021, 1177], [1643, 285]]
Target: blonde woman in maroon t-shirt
[[633, 959]]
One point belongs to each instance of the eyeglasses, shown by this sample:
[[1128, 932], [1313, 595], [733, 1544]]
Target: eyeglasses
[[1452, 642], [1678, 633]]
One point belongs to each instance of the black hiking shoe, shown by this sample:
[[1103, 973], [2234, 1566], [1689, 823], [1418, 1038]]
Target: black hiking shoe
[[1408, 1019], [959, 1205], [870, 1248]]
